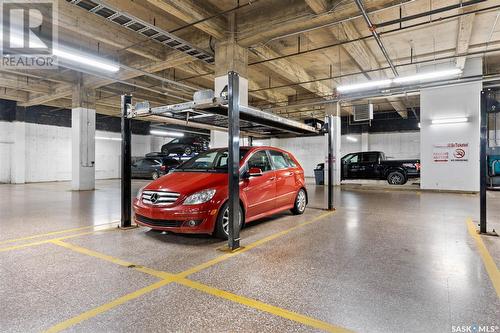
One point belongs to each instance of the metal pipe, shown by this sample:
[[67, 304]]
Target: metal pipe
[[126, 186], [374, 32], [233, 161]]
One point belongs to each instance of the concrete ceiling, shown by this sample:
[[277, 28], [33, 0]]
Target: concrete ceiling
[[289, 30]]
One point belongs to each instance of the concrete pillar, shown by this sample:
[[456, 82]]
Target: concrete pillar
[[450, 152], [83, 139], [334, 109], [365, 143], [229, 56], [218, 139]]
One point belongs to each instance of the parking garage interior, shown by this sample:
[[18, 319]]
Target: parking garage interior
[[143, 168]]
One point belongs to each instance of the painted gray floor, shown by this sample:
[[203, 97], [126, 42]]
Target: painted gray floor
[[386, 261]]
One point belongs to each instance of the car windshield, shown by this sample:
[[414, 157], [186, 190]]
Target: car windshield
[[209, 161]]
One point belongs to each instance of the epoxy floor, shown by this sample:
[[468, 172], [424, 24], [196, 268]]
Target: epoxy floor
[[384, 261]]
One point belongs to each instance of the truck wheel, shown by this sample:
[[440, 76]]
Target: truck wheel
[[396, 178]]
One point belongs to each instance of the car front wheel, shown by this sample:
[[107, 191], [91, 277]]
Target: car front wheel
[[222, 226], [155, 175], [396, 178], [300, 203], [188, 151]]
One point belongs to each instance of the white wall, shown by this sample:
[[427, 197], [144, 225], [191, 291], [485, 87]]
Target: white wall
[[450, 102], [48, 152]]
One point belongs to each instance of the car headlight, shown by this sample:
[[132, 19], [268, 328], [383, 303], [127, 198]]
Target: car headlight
[[200, 197], [139, 193]]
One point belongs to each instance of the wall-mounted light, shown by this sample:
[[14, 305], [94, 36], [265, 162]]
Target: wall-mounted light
[[166, 133], [443, 121], [351, 138]]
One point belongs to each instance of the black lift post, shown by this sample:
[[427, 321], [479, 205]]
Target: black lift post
[[234, 160], [126, 190], [330, 162]]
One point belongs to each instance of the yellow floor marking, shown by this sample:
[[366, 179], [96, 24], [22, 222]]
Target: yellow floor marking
[[488, 261], [46, 241], [274, 310], [180, 278], [55, 233], [106, 307], [250, 246]]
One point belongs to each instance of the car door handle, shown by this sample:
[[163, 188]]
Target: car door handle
[[272, 178]]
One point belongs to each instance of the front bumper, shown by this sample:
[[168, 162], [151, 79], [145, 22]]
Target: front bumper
[[176, 218]]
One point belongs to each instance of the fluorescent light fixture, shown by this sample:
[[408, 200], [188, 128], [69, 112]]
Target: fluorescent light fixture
[[428, 76], [166, 133], [71, 55], [351, 138], [364, 85], [418, 125], [449, 121], [105, 138]]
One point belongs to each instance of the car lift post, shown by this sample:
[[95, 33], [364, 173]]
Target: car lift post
[[330, 162], [126, 191], [233, 114]]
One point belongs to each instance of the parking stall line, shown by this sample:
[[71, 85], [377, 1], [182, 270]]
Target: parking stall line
[[488, 261], [180, 278], [46, 241], [15, 240]]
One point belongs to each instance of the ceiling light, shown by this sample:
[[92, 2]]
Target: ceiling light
[[364, 85], [106, 138], [70, 55], [351, 138], [449, 121], [428, 76], [166, 133]]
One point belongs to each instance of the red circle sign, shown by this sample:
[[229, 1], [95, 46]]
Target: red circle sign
[[459, 153]]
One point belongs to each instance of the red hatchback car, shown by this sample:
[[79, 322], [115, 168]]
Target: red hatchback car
[[193, 198]]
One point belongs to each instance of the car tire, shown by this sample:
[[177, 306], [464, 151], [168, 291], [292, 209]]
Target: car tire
[[155, 175], [165, 152], [221, 225], [396, 178], [188, 151], [300, 203]]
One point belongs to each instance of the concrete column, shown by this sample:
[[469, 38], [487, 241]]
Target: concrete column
[[229, 56], [365, 143], [83, 139], [450, 152], [334, 109]]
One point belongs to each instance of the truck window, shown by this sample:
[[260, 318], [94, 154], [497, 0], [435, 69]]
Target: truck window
[[354, 158], [370, 157]]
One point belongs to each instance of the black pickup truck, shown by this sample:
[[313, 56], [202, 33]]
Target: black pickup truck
[[374, 165]]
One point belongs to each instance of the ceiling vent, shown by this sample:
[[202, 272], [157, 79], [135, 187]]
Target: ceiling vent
[[363, 112]]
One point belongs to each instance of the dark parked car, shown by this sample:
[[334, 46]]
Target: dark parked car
[[185, 146], [153, 168], [374, 165]]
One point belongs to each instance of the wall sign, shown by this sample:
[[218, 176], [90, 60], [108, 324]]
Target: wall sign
[[450, 152]]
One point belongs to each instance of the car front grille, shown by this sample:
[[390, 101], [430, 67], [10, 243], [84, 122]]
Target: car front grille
[[158, 223], [159, 197]]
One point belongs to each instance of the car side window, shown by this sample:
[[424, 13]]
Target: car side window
[[279, 160], [370, 157], [290, 161], [354, 158], [260, 160]]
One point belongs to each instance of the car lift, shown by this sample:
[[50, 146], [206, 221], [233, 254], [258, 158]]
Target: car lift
[[228, 105]]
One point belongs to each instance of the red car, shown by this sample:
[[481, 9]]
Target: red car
[[193, 198]]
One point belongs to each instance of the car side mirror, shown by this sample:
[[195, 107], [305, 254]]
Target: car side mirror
[[254, 172]]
